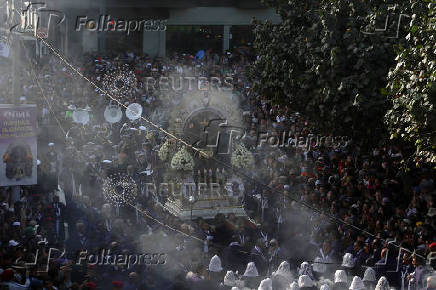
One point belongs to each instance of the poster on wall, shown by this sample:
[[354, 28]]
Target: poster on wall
[[18, 145]]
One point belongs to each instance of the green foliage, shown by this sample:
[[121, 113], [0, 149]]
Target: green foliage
[[319, 60], [412, 84]]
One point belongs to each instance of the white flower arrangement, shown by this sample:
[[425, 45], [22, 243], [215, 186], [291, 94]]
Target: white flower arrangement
[[182, 160], [164, 151], [241, 157], [206, 154]]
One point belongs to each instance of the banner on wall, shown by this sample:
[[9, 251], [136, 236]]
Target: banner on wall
[[18, 145]]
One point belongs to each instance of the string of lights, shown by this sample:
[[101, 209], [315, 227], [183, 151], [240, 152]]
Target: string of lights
[[236, 171]]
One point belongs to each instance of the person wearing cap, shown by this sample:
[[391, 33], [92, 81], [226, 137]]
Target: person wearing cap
[[431, 257], [341, 280], [13, 243], [369, 278], [117, 285], [90, 286], [12, 281]]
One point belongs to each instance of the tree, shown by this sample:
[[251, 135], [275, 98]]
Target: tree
[[319, 60], [412, 84]]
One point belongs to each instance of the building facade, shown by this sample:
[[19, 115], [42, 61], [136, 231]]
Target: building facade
[[185, 26]]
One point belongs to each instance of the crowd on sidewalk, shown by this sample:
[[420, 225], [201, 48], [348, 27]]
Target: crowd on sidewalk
[[322, 213]]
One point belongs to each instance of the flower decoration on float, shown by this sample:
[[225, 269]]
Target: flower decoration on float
[[164, 151], [241, 157], [182, 160]]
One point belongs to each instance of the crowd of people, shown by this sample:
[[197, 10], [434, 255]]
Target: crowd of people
[[321, 212]]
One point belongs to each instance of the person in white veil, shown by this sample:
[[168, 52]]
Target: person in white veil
[[382, 284], [319, 268], [306, 269], [369, 278], [306, 283], [215, 269], [348, 263], [282, 277], [357, 284], [341, 280], [294, 286], [251, 276], [231, 281], [265, 284]]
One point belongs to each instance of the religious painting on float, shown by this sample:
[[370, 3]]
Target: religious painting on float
[[211, 123]]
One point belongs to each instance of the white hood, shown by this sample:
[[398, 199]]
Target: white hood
[[341, 276], [348, 261], [357, 284], [305, 281], [369, 275], [230, 279], [215, 264], [382, 284], [251, 270], [266, 284]]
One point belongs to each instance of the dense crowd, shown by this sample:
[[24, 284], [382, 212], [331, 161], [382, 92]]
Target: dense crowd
[[322, 212]]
